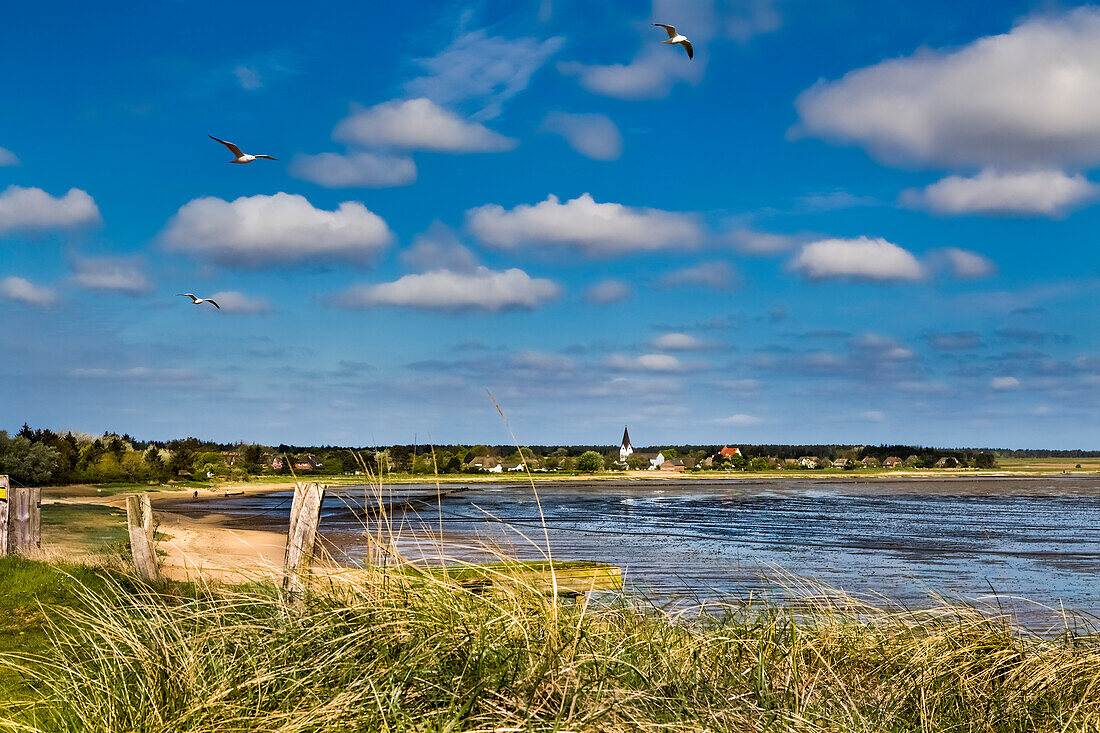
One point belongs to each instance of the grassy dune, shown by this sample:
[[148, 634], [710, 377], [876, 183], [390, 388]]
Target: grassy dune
[[394, 652]]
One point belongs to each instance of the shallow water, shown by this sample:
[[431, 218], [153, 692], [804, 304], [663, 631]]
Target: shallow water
[[903, 539]]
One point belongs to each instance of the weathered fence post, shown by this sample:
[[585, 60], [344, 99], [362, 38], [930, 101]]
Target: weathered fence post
[[4, 486], [24, 519], [305, 517], [139, 520]]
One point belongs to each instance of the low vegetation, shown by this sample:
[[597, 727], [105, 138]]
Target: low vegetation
[[393, 652]]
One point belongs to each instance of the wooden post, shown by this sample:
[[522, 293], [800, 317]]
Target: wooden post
[[305, 517], [5, 485], [24, 519], [139, 520]]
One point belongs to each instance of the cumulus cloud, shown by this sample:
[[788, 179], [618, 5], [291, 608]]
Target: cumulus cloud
[[651, 75], [751, 242], [22, 290], [963, 264], [862, 258], [259, 231], [1004, 383], [439, 248], [7, 157], [665, 363], [582, 224], [739, 419], [418, 124], [111, 274], [354, 170], [1030, 193], [29, 209], [444, 290], [712, 275], [487, 70], [1027, 98], [680, 342], [232, 301], [607, 292], [594, 136]]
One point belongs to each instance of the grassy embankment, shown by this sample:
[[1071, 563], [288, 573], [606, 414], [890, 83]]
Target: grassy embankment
[[401, 652]]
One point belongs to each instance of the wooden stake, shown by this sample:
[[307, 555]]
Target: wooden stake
[[24, 519], [5, 487], [139, 520], [305, 517]]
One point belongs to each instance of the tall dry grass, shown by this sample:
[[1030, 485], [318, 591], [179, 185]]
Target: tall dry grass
[[394, 651]]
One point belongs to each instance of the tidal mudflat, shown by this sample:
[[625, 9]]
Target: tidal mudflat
[[991, 541]]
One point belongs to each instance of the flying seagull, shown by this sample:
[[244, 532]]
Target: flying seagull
[[674, 37], [197, 301], [241, 158]]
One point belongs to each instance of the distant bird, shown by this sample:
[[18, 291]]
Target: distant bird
[[674, 37], [241, 158], [198, 301]]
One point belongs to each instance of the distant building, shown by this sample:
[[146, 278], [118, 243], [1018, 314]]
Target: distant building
[[626, 449], [728, 452], [892, 462], [308, 462], [231, 457], [511, 466], [675, 465], [485, 463], [840, 463], [870, 462], [656, 462], [948, 462]]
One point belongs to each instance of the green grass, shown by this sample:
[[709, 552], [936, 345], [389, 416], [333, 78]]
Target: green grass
[[390, 652]]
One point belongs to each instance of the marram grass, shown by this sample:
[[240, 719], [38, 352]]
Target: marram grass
[[390, 652]]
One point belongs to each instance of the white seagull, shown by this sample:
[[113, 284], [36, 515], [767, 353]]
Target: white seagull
[[674, 37], [241, 158], [198, 301]]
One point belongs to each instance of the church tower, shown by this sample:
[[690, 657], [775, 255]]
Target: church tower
[[626, 449]]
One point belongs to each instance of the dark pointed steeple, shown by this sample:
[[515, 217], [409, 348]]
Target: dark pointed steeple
[[626, 439]]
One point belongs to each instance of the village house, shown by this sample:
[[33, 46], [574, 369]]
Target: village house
[[308, 462], [728, 452], [891, 462], [231, 457], [511, 466], [656, 462], [870, 462], [486, 463], [809, 462], [840, 463], [675, 465], [948, 462]]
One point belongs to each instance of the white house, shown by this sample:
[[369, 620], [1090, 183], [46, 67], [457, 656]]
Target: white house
[[655, 463]]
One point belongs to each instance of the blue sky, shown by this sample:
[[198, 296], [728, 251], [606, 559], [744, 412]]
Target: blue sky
[[842, 222]]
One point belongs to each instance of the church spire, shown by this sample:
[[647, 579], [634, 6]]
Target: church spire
[[626, 438]]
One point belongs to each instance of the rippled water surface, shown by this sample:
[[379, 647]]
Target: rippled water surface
[[1036, 538]]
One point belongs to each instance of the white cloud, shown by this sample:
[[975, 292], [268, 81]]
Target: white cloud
[[111, 274], [584, 225], [7, 157], [680, 342], [663, 363], [651, 75], [1030, 193], [750, 18], [354, 170], [258, 231], [22, 290], [34, 209], [248, 77], [862, 258], [964, 264], [138, 374], [594, 136], [748, 241], [486, 69], [418, 124], [1004, 383], [739, 419], [873, 415], [713, 275], [607, 292], [1026, 98], [439, 248], [444, 290], [232, 301]]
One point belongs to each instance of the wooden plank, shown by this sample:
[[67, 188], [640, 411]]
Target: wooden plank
[[24, 519], [305, 517], [139, 522]]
